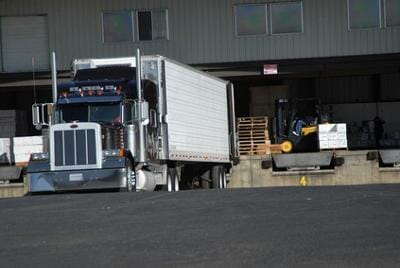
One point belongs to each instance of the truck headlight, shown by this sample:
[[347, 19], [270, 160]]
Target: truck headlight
[[113, 152], [39, 156]]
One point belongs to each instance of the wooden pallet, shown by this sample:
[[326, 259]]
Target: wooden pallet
[[253, 136], [275, 148], [260, 149], [248, 123]]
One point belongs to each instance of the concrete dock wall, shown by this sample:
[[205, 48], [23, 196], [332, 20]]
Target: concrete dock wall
[[356, 170], [12, 190]]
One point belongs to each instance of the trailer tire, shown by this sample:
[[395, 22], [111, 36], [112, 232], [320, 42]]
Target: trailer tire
[[172, 180], [218, 177]]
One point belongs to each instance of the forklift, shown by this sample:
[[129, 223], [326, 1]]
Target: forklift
[[295, 126]]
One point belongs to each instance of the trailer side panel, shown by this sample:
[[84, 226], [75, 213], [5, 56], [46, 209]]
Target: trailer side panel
[[197, 111]]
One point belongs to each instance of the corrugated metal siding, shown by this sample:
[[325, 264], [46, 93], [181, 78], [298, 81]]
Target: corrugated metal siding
[[17, 32], [203, 31]]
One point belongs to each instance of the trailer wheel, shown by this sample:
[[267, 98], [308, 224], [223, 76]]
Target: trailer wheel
[[218, 177], [172, 180]]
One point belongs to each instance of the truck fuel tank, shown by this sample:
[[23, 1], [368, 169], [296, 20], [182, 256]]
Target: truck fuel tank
[[131, 139], [145, 180]]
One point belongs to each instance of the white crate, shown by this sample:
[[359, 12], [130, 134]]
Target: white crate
[[29, 140], [4, 145], [21, 158], [332, 136], [341, 128], [28, 149], [323, 145], [342, 136], [341, 144], [323, 136]]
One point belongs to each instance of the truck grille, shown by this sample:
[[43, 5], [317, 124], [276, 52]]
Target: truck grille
[[75, 147]]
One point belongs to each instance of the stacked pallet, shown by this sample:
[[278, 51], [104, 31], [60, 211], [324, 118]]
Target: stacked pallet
[[253, 137]]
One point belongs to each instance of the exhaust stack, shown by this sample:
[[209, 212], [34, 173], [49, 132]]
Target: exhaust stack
[[54, 76]]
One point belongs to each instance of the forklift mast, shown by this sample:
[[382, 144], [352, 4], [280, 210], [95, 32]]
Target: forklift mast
[[281, 114]]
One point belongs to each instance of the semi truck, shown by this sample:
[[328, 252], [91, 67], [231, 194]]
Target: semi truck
[[138, 123]]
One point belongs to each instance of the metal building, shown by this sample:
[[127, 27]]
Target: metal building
[[341, 51], [193, 31]]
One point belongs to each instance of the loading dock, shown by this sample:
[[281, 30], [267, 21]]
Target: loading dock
[[353, 90], [355, 170]]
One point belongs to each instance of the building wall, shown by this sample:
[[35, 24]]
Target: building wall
[[203, 31]]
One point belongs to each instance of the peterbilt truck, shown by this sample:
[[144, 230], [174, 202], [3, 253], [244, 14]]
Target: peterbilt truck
[[137, 123]]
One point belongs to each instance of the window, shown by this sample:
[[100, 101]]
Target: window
[[286, 17], [364, 14], [117, 27], [106, 113], [152, 25], [251, 19], [392, 9]]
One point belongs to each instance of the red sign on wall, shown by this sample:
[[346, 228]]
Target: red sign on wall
[[269, 69]]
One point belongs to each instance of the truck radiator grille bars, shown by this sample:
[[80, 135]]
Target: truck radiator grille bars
[[75, 147]]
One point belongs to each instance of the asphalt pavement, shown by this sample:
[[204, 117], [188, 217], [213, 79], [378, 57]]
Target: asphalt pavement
[[356, 226]]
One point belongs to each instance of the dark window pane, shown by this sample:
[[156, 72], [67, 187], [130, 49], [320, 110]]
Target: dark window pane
[[117, 27], [250, 19], [105, 113], [72, 113], [364, 14], [145, 27], [393, 12], [160, 30], [286, 17]]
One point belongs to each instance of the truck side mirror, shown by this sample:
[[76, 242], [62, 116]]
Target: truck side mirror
[[41, 114]]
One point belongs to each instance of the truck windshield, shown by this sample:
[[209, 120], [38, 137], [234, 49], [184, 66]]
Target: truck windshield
[[101, 113]]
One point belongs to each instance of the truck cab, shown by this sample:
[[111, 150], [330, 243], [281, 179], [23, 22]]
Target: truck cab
[[86, 137]]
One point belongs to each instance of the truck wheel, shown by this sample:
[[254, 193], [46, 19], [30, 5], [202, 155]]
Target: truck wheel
[[218, 177], [172, 180], [129, 177]]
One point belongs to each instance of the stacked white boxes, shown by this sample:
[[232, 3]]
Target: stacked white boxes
[[19, 149], [332, 136], [25, 146], [5, 152]]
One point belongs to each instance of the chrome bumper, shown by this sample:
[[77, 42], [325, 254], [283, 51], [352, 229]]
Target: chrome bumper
[[76, 180]]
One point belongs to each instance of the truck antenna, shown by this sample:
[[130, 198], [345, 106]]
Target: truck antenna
[[34, 79]]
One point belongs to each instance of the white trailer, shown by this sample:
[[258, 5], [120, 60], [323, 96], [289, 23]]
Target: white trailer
[[177, 127]]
